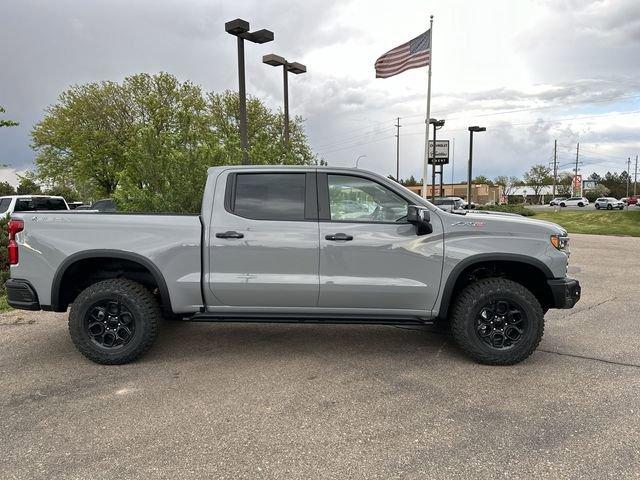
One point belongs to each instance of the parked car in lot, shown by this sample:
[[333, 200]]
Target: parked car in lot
[[282, 244], [556, 201], [632, 200], [30, 203], [104, 205], [449, 204], [574, 202], [608, 203]]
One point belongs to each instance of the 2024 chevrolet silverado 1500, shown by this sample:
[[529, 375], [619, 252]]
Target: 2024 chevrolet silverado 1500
[[293, 244]]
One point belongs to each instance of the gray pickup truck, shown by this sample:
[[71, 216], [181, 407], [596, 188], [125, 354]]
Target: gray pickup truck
[[293, 244]]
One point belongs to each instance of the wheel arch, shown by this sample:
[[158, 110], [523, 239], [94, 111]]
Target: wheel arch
[[58, 302], [503, 264]]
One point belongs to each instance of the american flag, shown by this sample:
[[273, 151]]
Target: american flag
[[413, 54]]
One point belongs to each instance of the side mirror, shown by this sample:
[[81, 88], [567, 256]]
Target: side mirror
[[419, 216]]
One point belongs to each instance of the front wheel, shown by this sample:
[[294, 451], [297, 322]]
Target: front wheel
[[114, 321], [609, 207], [581, 204], [563, 205], [497, 321]]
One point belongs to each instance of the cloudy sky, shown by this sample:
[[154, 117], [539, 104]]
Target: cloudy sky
[[531, 71]]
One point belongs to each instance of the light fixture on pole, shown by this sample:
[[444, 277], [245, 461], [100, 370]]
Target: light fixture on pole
[[293, 67], [471, 131], [240, 29], [437, 125], [358, 159]]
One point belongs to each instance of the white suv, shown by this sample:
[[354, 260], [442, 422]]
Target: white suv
[[609, 203], [574, 202]]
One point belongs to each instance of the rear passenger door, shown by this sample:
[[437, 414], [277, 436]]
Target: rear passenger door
[[263, 240]]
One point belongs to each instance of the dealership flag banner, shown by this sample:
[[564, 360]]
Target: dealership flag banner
[[415, 53]]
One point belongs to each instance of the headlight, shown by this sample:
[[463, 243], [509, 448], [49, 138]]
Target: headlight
[[560, 242]]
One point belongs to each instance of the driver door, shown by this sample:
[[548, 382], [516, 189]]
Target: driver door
[[370, 256]]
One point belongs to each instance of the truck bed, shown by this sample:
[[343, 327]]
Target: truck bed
[[170, 243]]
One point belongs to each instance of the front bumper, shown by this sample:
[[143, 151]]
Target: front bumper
[[565, 292], [22, 295]]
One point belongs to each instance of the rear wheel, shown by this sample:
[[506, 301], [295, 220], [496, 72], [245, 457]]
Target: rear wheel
[[497, 321], [597, 207], [114, 321]]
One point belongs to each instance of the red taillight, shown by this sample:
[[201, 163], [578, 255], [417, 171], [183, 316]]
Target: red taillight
[[14, 227]]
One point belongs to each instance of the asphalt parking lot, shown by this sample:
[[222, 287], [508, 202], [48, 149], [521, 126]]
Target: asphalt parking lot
[[303, 401]]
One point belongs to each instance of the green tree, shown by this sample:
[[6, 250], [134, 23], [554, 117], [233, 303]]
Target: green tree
[[148, 141], [6, 189], [481, 179], [537, 177], [508, 184], [564, 185], [6, 123], [27, 185]]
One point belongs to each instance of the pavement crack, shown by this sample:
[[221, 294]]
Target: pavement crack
[[592, 306], [585, 357]]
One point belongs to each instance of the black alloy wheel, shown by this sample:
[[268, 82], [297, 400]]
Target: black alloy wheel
[[501, 324], [110, 324]]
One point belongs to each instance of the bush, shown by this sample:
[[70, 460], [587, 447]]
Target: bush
[[519, 209], [4, 261]]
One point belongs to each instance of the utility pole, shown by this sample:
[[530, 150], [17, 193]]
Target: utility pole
[[575, 175], [555, 167], [635, 177], [453, 161], [628, 178], [398, 149]]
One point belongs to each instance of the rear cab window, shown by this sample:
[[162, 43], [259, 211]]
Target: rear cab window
[[5, 203]]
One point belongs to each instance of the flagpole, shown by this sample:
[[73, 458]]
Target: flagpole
[[426, 142]]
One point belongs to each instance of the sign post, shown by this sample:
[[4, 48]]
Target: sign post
[[577, 185]]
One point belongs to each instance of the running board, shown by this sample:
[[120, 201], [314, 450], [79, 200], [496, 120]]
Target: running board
[[311, 318]]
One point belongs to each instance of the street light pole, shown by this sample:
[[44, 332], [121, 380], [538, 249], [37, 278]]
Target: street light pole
[[242, 96], [293, 67], [470, 170], [240, 29]]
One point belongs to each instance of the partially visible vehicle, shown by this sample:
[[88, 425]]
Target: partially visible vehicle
[[449, 204], [104, 205], [608, 203], [556, 201], [74, 205], [31, 203], [632, 200], [574, 202]]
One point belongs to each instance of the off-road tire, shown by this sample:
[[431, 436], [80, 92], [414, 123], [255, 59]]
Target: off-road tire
[[139, 301], [468, 305]]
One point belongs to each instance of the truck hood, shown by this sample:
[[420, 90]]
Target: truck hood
[[509, 222]]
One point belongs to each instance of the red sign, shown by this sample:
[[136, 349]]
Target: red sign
[[577, 181]]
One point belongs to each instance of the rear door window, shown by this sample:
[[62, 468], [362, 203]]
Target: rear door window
[[270, 196]]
